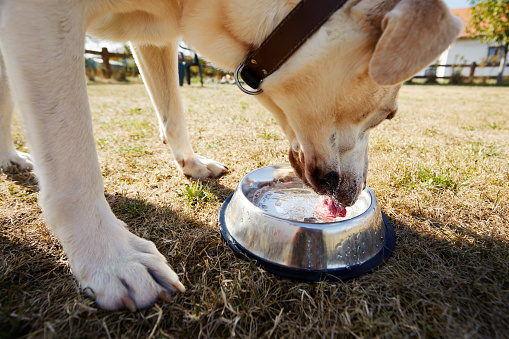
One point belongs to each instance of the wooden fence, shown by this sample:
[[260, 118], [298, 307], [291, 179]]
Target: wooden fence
[[106, 55], [431, 71]]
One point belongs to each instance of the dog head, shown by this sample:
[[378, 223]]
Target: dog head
[[345, 80]]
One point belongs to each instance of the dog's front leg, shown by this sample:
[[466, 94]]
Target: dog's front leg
[[42, 42], [158, 66], [8, 154]]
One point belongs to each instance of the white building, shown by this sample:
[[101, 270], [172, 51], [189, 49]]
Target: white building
[[468, 49]]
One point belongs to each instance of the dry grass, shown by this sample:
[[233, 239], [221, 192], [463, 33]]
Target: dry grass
[[440, 171]]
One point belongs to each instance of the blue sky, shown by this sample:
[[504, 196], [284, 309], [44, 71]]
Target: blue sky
[[457, 3]]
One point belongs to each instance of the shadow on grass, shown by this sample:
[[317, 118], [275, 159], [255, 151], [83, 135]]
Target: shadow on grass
[[26, 290], [432, 286], [455, 274], [24, 178]]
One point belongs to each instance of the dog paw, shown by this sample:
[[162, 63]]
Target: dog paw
[[15, 158], [200, 167], [124, 271]]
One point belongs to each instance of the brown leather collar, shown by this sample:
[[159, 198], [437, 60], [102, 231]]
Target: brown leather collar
[[305, 19]]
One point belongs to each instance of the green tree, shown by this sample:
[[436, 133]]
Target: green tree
[[490, 21]]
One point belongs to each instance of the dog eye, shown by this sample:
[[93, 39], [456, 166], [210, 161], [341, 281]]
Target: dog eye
[[391, 114]]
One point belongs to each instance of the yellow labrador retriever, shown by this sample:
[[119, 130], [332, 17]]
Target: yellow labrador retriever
[[339, 84]]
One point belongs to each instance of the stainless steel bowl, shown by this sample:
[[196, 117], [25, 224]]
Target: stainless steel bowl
[[270, 219]]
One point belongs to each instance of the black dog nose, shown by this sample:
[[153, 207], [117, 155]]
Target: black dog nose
[[331, 181]]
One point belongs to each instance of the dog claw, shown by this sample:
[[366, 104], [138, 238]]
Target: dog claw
[[178, 286], [165, 296], [129, 303]]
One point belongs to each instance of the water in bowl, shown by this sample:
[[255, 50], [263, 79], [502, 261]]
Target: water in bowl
[[294, 201]]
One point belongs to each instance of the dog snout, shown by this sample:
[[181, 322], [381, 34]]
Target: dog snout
[[348, 189], [329, 182], [343, 187]]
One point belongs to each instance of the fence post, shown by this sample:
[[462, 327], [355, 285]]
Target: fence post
[[472, 69], [106, 63]]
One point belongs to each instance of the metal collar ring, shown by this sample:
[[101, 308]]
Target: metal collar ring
[[237, 80]]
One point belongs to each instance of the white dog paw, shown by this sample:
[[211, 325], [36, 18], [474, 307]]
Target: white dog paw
[[200, 167], [20, 159], [124, 272]]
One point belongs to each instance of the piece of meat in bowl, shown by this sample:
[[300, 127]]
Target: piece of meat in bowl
[[327, 208]]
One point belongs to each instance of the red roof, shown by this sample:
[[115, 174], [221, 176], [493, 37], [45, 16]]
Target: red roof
[[465, 14]]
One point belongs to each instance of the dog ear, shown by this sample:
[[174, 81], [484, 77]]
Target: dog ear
[[414, 34]]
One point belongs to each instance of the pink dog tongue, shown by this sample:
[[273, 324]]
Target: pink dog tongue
[[327, 208]]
